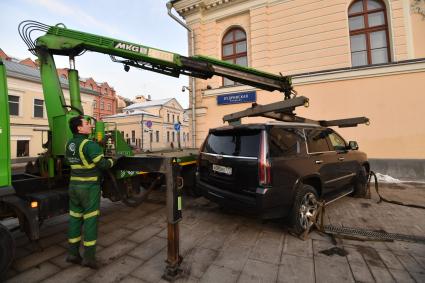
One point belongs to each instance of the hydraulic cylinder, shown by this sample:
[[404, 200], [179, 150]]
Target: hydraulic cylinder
[[74, 90]]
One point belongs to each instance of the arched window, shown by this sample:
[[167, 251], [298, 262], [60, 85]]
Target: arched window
[[234, 49], [368, 33]]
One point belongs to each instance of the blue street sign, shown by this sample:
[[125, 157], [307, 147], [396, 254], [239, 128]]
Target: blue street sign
[[239, 97], [149, 124], [177, 127]]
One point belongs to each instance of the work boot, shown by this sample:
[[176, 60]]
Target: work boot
[[91, 263], [75, 259]]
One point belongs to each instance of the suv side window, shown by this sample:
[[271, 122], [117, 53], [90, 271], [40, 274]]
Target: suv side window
[[316, 140], [337, 142], [284, 141]]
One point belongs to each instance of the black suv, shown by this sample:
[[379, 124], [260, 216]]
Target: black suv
[[280, 169]]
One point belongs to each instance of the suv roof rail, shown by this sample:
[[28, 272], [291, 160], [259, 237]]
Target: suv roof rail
[[284, 111]]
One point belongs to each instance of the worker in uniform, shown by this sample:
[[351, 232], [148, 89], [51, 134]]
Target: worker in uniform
[[87, 162]]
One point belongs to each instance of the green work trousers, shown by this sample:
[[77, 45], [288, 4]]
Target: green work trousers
[[84, 212]]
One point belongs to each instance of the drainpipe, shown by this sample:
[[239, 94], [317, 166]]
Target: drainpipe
[[191, 53]]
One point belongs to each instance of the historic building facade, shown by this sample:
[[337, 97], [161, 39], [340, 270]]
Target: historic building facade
[[152, 125], [350, 57]]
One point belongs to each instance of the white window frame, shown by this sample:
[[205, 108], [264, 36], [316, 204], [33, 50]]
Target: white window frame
[[33, 108]]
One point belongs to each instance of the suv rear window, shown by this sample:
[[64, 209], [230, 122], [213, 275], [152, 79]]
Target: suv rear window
[[237, 143]]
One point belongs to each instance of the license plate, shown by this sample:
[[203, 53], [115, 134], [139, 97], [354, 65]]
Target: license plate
[[222, 169]]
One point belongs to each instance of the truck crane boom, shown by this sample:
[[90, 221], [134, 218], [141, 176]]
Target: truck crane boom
[[59, 40]]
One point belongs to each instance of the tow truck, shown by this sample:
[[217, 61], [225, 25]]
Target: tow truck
[[41, 192]]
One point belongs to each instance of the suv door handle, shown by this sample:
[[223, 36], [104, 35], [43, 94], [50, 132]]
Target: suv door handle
[[341, 158], [318, 161]]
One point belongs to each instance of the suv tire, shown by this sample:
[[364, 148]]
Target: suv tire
[[7, 250], [360, 184], [305, 204]]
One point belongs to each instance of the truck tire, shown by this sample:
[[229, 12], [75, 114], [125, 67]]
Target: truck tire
[[7, 250], [305, 204], [360, 184]]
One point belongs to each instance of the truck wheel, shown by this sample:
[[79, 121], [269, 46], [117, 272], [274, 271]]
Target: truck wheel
[[135, 192], [7, 250], [360, 184], [305, 205]]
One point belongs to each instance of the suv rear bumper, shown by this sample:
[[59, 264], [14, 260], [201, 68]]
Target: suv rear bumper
[[258, 203]]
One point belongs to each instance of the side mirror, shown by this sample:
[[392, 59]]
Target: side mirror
[[353, 145]]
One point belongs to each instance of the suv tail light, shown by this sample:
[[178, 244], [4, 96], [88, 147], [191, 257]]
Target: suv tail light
[[198, 160], [264, 166]]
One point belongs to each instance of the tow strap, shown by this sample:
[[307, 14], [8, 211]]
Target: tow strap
[[360, 234]]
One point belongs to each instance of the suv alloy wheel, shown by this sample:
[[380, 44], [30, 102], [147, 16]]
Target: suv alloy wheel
[[305, 206]]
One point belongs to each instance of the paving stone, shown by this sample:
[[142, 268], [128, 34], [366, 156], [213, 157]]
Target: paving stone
[[214, 240], [243, 236], [183, 280], [131, 279], [233, 257], [371, 256], [381, 274], [354, 256], [401, 276], [75, 273], [220, 274], [295, 246], [404, 248], [35, 274], [115, 271], [149, 248], [296, 269], [198, 261], [411, 265], [419, 277], [115, 251], [153, 269], [143, 234], [340, 271], [361, 273], [420, 260], [390, 260], [37, 258], [321, 246], [145, 221], [52, 240], [258, 271], [111, 237], [268, 247]]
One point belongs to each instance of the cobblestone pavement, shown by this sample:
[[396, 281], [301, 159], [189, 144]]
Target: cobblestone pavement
[[223, 246]]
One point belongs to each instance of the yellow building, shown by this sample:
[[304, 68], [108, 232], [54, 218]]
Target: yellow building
[[351, 58], [28, 119], [149, 125]]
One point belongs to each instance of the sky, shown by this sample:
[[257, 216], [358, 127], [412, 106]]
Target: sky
[[144, 22]]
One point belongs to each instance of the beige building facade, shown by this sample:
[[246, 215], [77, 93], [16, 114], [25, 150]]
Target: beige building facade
[[350, 58], [28, 118], [149, 125]]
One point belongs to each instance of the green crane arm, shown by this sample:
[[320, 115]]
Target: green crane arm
[[59, 40], [63, 41], [5, 174]]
